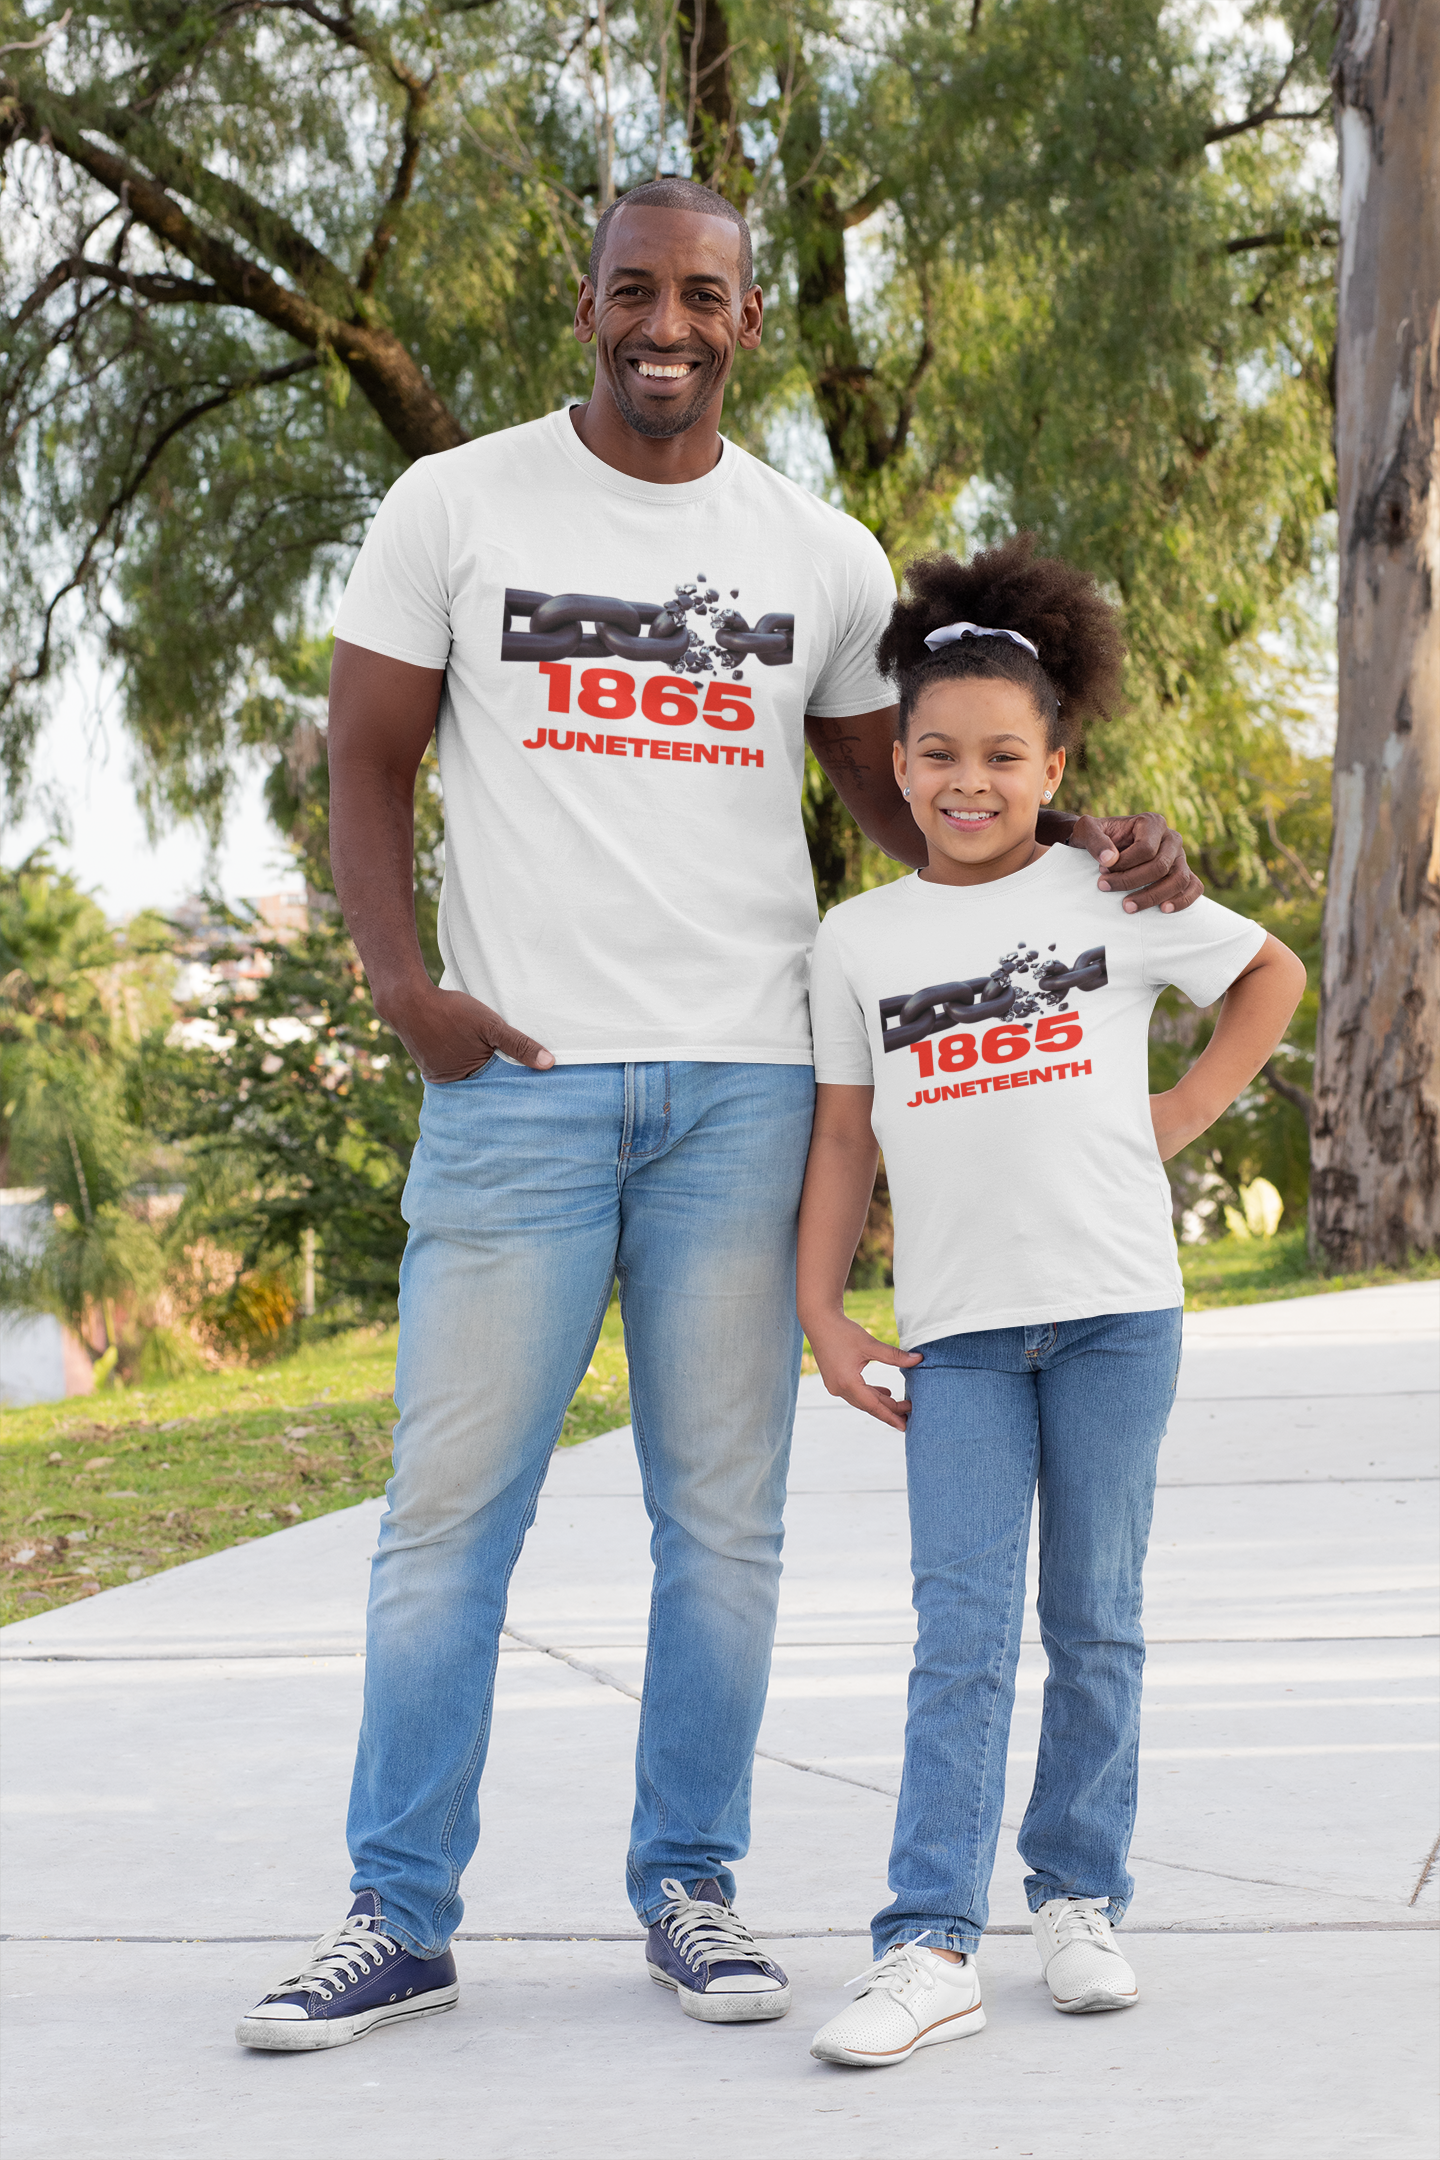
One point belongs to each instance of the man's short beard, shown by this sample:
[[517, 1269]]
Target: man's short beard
[[661, 426]]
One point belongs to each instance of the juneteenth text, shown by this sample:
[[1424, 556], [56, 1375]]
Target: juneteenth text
[[656, 746], [993, 1082]]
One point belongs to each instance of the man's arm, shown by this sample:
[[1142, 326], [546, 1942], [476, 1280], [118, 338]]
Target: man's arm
[[382, 715], [1139, 855]]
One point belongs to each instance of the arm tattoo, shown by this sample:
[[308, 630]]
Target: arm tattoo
[[839, 758]]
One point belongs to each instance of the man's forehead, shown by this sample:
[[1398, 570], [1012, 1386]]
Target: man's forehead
[[650, 236]]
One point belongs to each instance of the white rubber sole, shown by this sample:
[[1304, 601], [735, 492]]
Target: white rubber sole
[[958, 2027], [1095, 1999], [299, 2036], [724, 2009]]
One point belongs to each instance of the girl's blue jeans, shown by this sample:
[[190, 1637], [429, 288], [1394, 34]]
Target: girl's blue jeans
[[528, 1194], [1074, 1410]]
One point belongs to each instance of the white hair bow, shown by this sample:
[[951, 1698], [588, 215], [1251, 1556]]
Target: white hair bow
[[951, 633]]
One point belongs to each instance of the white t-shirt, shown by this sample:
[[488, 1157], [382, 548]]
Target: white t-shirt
[[1004, 1030], [626, 873]]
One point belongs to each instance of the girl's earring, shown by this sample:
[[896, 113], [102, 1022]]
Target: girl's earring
[[1046, 796], [907, 795]]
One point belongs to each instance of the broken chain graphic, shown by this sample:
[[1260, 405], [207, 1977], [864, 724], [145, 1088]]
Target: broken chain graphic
[[906, 1020], [558, 630]]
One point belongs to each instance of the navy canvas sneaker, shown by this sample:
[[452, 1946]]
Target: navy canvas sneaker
[[702, 1949], [352, 1981]]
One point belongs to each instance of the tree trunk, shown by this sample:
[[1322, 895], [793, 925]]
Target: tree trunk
[[708, 89], [860, 437], [1375, 1191]]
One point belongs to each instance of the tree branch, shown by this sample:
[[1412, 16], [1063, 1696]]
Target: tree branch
[[1288, 1091], [132, 487], [1261, 118], [34, 44], [867, 205], [1306, 236], [1301, 868], [146, 285], [917, 373], [263, 228], [417, 96], [387, 373]]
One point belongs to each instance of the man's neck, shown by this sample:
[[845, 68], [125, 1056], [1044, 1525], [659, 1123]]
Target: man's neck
[[666, 461]]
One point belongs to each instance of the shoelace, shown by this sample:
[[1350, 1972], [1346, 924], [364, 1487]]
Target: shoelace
[[350, 1952], [1082, 1921], [706, 1934], [898, 1969]]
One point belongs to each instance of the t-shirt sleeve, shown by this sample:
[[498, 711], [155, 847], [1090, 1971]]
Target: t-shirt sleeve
[[850, 682], [1200, 949], [842, 1041], [397, 597]]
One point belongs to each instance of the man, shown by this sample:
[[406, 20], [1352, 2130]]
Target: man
[[618, 1066]]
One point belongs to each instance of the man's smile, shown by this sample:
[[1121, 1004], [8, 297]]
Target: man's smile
[[665, 370]]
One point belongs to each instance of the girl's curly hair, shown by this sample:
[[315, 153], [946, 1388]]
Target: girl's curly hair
[[1061, 610]]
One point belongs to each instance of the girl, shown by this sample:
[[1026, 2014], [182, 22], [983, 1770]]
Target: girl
[[986, 1020]]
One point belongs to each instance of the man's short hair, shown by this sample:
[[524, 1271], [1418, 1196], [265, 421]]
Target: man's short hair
[[675, 194]]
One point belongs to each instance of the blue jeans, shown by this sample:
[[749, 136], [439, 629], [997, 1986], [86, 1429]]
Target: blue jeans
[[528, 1194], [1076, 1409]]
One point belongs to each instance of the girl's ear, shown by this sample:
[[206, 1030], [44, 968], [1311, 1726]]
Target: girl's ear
[[901, 772], [1054, 769]]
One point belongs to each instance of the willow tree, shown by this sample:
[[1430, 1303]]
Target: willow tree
[[1375, 1191], [1056, 266]]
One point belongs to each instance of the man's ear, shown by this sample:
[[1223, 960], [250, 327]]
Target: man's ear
[[752, 313], [585, 313]]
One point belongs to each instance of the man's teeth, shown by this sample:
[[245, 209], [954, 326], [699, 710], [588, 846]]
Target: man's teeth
[[664, 374]]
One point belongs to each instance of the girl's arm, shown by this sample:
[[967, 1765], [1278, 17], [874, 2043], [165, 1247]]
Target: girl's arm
[[1253, 1018], [839, 1179]]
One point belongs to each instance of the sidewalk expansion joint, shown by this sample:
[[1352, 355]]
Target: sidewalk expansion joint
[[1177, 1927], [300, 1657]]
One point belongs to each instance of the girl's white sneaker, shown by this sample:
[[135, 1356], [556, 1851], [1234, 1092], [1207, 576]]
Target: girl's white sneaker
[[908, 1999], [1083, 1968]]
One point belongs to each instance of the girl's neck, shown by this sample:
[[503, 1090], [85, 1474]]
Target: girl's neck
[[945, 870]]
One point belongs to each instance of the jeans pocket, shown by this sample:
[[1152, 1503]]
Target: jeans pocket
[[447, 1086]]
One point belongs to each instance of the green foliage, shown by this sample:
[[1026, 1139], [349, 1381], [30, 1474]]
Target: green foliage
[[1064, 267], [299, 1110], [79, 1000], [1086, 288], [1276, 878]]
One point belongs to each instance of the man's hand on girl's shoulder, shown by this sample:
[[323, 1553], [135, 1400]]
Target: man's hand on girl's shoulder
[[1142, 857]]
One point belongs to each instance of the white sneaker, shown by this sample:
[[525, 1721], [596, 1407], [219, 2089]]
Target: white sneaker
[[1082, 1965], [909, 1999]]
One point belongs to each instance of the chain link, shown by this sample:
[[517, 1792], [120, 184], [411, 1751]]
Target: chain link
[[636, 630], [985, 997]]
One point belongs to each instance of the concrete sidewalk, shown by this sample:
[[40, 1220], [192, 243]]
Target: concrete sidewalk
[[179, 1754]]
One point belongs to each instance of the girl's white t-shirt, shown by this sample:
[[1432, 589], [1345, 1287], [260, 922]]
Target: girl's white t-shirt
[[626, 875], [1004, 1028]]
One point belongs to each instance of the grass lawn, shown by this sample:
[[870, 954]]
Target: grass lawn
[[105, 1488]]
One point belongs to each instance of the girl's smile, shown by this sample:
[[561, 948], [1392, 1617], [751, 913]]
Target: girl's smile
[[976, 764]]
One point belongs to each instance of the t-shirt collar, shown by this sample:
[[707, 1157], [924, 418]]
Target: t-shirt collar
[[1019, 880], [599, 474]]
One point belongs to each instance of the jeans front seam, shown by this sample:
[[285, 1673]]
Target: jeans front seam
[[627, 1128], [654, 1511], [1017, 1568]]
